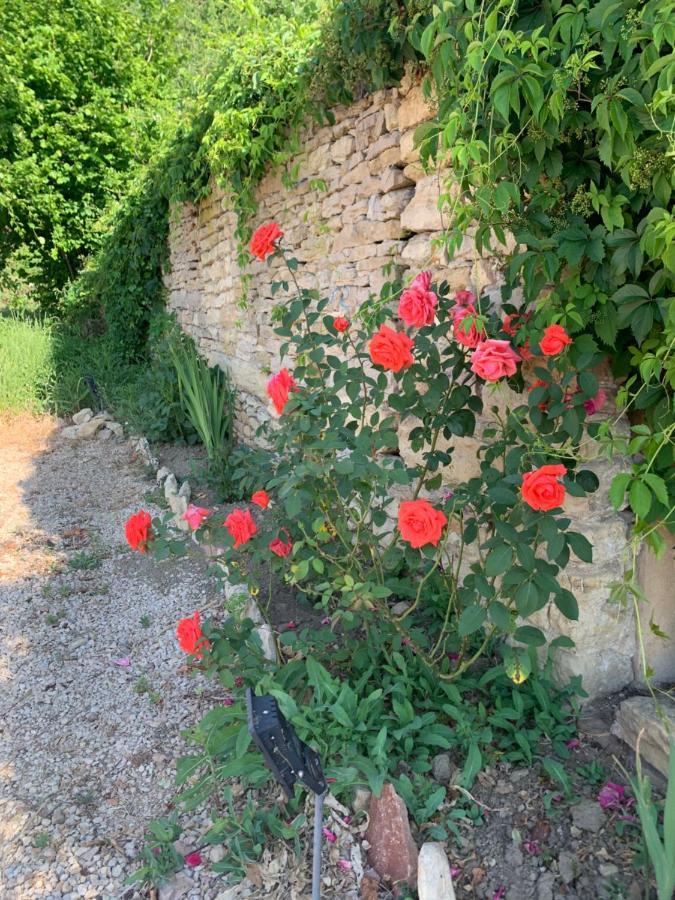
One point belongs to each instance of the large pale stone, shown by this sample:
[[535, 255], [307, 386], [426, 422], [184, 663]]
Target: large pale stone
[[638, 724], [414, 109], [434, 881], [657, 578], [422, 213], [382, 207], [84, 415], [88, 429]]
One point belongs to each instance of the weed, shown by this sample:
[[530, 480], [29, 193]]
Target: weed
[[41, 840], [145, 621], [84, 561], [593, 772], [142, 685], [55, 618]]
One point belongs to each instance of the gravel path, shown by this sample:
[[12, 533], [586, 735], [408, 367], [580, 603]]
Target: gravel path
[[87, 747]]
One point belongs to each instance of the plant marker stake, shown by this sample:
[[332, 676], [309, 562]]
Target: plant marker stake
[[290, 760]]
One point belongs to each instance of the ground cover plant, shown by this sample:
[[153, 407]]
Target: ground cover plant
[[424, 592]]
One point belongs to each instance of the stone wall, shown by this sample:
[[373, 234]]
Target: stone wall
[[360, 201]]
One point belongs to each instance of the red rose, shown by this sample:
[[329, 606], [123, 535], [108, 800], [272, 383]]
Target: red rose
[[281, 548], [417, 306], [138, 531], [340, 323], [391, 349], [262, 242], [541, 488], [193, 859], [279, 388], [464, 298], [419, 523], [261, 499], [554, 341], [241, 526], [466, 334], [190, 637], [492, 360]]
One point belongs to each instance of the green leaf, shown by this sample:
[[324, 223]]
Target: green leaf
[[580, 545], [640, 498], [567, 604], [471, 619], [617, 489], [498, 560], [243, 741], [528, 634]]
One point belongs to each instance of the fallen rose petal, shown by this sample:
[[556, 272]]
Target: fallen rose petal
[[329, 835], [193, 859], [344, 864], [455, 871], [123, 661]]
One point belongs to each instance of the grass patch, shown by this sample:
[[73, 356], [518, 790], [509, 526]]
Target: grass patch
[[26, 364]]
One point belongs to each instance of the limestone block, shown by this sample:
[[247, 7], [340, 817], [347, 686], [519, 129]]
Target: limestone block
[[391, 180], [342, 148], [359, 173], [657, 578], [637, 720], [422, 250], [415, 171], [389, 206], [89, 428], [359, 232], [414, 109], [387, 158], [391, 115], [422, 213], [409, 152], [465, 462], [368, 129]]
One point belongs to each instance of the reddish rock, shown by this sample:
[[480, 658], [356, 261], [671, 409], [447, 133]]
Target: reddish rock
[[393, 852]]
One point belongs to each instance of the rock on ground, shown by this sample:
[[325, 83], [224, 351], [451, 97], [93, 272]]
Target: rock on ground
[[393, 852], [434, 881]]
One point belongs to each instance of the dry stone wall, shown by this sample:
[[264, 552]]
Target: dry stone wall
[[361, 202]]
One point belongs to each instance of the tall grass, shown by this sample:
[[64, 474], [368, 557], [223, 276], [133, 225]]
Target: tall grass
[[26, 364]]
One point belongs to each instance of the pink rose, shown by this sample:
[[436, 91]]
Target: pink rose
[[493, 359], [595, 404], [464, 298], [417, 306], [465, 333], [195, 515]]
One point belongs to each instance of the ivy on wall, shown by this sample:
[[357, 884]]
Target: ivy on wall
[[556, 121]]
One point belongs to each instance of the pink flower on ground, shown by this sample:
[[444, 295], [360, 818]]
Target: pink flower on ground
[[193, 859], [595, 404], [238, 681], [573, 744], [124, 662], [329, 835], [417, 306], [464, 298], [290, 626], [455, 871], [195, 515], [531, 847], [466, 334], [611, 795], [493, 359], [344, 864], [500, 893]]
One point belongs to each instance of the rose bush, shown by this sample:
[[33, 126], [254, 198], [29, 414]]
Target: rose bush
[[360, 529], [415, 582]]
